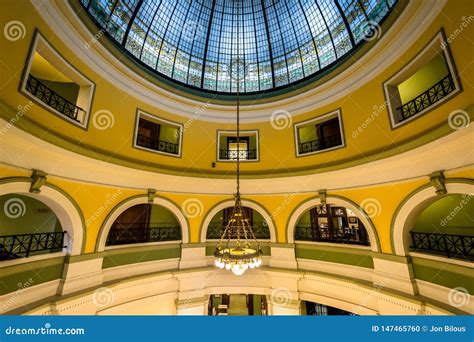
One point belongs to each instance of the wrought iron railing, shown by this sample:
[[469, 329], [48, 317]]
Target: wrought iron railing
[[427, 98], [48, 96], [243, 154], [21, 246], [260, 229], [350, 236], [138, 233], [452, 246], [157, 145], [319, 144]]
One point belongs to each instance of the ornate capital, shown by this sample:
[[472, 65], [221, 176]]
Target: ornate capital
[[151, 195], [38, 179], [437, 179]]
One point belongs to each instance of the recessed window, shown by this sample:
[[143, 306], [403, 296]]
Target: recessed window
[[320, 134], [52, 82], [246, 148], [158, 135], [426, 82]]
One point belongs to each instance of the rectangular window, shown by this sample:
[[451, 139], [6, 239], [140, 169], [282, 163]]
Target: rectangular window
[[49, 80], [426, 82], [158, 135], [246, 148], [319, 134]]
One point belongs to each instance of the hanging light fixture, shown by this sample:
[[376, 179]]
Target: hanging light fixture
[[238, 248]]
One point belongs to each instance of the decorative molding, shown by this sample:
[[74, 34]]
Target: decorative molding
[[38, 179], [437, 179], [322, 195], [151, 195]]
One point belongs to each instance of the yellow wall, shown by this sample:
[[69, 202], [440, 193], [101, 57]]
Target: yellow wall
[[199, 141]]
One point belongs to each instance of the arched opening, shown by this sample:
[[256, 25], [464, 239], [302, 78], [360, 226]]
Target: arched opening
[[28, 227], [220, 220], [445, 227], [144, 223], [237, 305], [331, 223], [316, 309]]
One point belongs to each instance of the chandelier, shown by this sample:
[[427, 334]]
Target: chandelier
[[238, 248]]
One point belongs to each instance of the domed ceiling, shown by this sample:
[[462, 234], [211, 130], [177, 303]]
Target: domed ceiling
[[205, 44]]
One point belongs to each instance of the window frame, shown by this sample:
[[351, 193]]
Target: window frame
[[438, 43], [243, 134], [142, 114], [43, 47], [318, 120]]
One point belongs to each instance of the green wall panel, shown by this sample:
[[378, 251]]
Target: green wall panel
[[341, 255], [133, 255]]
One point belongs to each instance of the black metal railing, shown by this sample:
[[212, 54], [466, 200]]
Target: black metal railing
[[452, 246], [427, 98], [350, 236], [157, 145], [260, 229], [21, 246], [138, 233], [48, 96], [319, 144], [243, 154]]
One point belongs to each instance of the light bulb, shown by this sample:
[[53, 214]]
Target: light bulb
[[245, 266], [227, 266], [221, 265], [238, 271], [252, 265], [217, 263]]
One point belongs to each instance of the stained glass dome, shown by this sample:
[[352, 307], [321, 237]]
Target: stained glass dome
[[274, 43]]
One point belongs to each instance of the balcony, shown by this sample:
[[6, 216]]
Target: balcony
[[260, 229], [243, 154], [349, 236], [22, 246], [319, 144], [129, 233], [451, 246], [427, 98], [157, 145], [46, 95]]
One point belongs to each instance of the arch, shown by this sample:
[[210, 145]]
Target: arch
[[132, 201], [338, 200], [63, 206], [411, 207], [246, 203]]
